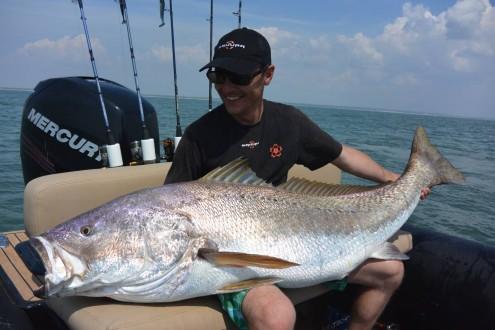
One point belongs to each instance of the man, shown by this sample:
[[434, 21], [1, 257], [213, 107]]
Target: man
[[273, 137]]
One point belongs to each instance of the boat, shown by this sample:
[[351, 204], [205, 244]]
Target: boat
[[449, 282]]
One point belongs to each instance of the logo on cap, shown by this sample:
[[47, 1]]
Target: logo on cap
[[231, 45]]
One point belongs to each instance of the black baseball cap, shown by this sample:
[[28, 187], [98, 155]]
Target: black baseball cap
[[241, 51]]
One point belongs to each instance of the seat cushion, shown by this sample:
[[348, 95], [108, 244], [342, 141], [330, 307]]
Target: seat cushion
[[199, 313], [53, 199], [100, 313]]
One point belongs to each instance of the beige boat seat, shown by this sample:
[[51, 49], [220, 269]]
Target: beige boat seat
[[53, 199]]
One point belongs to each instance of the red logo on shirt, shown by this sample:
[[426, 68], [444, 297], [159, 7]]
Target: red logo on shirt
[[276, 150]]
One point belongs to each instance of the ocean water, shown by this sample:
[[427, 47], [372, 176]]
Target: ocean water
[[466, 210]]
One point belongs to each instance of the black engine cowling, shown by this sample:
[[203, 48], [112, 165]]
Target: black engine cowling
[[63, 125]]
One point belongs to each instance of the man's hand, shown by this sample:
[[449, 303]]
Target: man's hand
[[394, 177], [424, 193]]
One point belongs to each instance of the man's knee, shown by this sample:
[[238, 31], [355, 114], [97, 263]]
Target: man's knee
[[380, 274], [395, 272], [267, 307]]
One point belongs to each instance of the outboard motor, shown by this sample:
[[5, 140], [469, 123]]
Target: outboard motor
[[63, 126]]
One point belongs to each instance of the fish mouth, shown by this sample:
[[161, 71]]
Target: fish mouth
[[64, 270]]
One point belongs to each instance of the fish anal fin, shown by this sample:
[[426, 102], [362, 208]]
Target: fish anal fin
[[388, 251], [248, 284], [237, 259]]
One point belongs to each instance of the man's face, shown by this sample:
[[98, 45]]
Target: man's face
[[241, 101]]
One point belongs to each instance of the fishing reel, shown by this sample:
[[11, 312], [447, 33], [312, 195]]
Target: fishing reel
[[111, 155], [142, 152], [168, 149]]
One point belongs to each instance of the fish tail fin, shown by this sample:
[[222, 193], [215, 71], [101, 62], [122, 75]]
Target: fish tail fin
[[443, 170]]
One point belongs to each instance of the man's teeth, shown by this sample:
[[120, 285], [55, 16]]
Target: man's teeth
[[233, 98]]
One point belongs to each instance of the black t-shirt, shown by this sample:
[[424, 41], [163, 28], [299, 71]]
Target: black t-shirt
[[284, 137]]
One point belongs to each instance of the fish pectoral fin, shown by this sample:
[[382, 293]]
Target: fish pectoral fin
[[248, 284], [388, 251], [237, 259]]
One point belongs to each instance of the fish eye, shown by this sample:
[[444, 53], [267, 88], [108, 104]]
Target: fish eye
[[86, 230]]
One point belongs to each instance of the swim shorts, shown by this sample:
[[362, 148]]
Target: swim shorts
[[232, 302]]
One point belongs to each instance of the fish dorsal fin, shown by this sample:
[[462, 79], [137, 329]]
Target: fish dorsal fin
[[238, 259], [237, 171], [304, 186]]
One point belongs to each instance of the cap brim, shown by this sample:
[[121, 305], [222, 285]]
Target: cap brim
[[235, 65]]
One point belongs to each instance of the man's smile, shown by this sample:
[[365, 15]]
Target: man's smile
[[233, 97]]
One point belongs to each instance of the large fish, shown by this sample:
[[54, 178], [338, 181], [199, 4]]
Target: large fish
[[228, 231]]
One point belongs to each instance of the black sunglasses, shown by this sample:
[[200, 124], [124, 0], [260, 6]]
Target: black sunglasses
[[219, 76]]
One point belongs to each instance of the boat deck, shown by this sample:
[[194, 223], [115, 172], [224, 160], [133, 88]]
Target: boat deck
[[18, 281]]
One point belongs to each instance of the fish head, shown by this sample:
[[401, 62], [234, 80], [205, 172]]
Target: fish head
[[114, 246]]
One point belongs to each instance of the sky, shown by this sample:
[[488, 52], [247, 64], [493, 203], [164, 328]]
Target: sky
[[429, 56]]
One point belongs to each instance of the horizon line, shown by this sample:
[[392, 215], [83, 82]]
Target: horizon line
[[333, 106]]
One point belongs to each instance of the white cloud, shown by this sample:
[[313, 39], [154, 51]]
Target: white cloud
[[473, 21], [184, 54], [362, 47], [67, 47], [463, 19], [405, 79], [415, 26], [458, 39], [320, 42], [277, 37], [460, 62], [418, 53], [284, 44], [162, 53]]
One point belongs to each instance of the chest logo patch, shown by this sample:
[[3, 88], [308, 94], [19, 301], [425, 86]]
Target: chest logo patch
[[251, 144], [276, 150]]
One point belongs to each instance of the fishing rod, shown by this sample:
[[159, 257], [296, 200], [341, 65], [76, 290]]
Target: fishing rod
[[211, 55], [147, 143], [111, 152], [238, 14], [178, 130]]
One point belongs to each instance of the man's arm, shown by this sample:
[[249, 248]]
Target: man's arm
[[360, 164]]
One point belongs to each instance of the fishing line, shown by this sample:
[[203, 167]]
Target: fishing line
[[109, 153], [147, 143]]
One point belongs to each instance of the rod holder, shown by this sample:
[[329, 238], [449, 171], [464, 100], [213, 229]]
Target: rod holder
[[176, 142], [114, 155], [148, 149]]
